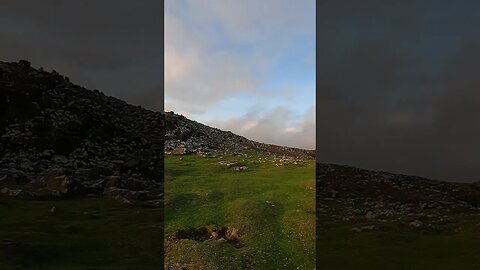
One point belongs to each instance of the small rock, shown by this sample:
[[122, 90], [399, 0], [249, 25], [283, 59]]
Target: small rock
[[370, 215], [240, 168], [416, 223], [331, 193], [232, 233], [369, 228]]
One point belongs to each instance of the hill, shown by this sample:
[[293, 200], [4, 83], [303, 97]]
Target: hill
[[393, 196], [61, 139], [186, 136], [58, 138], [368, 219]]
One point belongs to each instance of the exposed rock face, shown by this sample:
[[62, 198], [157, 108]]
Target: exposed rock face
[[57, 136], [381, 198]]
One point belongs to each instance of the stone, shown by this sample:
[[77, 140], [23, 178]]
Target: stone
[[368, 228], [56, 180], [60, 159], [14, 176], [416, 223], [240, 168], [49, 122], [111, 181], [19, 193], [331, 193], [179, 150], [370, 215], [232, 234], [132, 162]]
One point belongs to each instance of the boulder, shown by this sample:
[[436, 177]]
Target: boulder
[[180, 150], [59, 183]]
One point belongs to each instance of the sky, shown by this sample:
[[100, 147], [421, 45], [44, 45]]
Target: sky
[[246, 66], [115, 46], [398, 86]]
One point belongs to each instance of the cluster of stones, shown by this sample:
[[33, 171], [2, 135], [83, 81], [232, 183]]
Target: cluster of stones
[[380, 199], [61, 139], [184, 136], [233, 165]]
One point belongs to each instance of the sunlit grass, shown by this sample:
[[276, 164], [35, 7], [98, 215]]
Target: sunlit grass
[[271, 206]]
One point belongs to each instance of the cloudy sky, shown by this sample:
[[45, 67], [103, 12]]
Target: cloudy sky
[[246, 66], [243, 65], [398, 86], [115, 46]]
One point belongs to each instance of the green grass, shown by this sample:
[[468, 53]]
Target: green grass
[[339, 248], [89, 233], [200, 192]]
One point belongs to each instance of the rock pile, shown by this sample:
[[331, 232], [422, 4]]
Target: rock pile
[[378, 198], [186, 136], [61, 139]]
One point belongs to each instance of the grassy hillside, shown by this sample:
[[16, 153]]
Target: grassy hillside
[[377, 220], [271, 206]]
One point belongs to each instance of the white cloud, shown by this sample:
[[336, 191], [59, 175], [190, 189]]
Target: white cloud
[[278, 126], [195, 74], [253, 20], [218, 49]]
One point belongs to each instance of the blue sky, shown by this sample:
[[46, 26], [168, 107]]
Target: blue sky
[[245, 66]]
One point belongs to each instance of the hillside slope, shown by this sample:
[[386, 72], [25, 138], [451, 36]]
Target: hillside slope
[[58, 138], [62, 139], [346, 194], [187, 136], [368, 219]]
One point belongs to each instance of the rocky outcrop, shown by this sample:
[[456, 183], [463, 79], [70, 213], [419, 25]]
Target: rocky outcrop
[[61, 138]]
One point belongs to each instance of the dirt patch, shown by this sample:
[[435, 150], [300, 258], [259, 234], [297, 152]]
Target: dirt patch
[[201, 234]]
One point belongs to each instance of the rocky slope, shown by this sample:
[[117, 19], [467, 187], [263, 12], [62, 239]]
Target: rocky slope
[[187, 136], [350, 194], [57, 138]]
